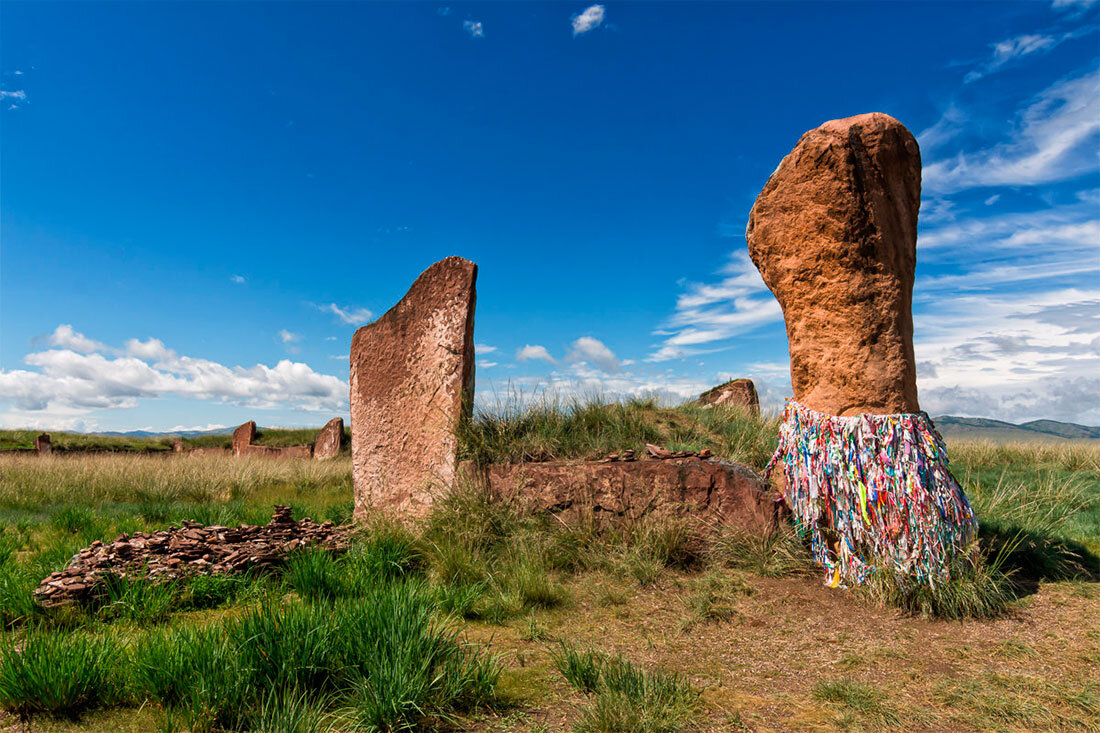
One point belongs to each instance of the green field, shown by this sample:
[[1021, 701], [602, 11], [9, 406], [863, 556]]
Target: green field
[[481, 619], [91, 442]]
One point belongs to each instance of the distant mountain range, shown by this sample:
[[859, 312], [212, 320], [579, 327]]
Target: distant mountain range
[[980, 427], [167, 433]]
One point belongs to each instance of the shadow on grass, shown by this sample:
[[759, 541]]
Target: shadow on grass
[[1030, 557]]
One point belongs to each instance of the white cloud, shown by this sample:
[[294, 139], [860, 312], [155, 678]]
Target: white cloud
[[188, 428], [706, 313], [474, 28], [17, 94], [64, 384], [529, 352], [486, 364], [1013, 48], [67, 338], [289, 338], [588, 20], [593, 351], [1055, 138], [348, 314], [238, 279], [484, 348], [1061, 4]]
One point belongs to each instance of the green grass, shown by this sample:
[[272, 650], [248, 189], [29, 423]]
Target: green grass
[[516, 431], [865, 702], [85, 442], [623, 698]]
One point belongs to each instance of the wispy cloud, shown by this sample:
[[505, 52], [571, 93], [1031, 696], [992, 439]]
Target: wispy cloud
[[1055, 138], [65, 383], [534, 352], [588, 20], [348, 314], [238, 279], [474, 28], [710, 312], [287, 337], [1013, 48], [593, 351], [484, 348], [486, 364]]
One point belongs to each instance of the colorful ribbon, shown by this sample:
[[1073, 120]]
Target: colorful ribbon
[[880, 484]]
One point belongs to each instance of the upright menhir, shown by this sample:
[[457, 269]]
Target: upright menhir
[[834, 235]]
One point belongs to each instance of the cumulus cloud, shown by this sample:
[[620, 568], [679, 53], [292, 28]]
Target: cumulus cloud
[[350, 315], [591, 18], [474, 28], [1054, 138], [65, 383], [593, 351], [534, 352], [68, 338]]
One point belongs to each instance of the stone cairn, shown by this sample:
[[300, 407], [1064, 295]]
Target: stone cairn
[[834, 235], [188, 550], [734, 393], [412, 380]]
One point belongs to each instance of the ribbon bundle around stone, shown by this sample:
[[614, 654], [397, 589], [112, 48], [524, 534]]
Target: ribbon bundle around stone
[[881, 484]]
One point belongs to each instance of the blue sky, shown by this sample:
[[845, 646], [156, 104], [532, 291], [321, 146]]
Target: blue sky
[[199, 202]]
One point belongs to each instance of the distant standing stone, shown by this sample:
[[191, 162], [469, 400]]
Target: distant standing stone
[[329, 439], [243, 437], [736, 392], [42, 443], [177, 445], [412, 379], [834, 235]]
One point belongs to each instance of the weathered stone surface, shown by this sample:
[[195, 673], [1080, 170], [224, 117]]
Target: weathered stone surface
[[625, 491], [177, 445], [329, 439], [191, 549], [42, 443], [734, 393], [412, 377], [834, 234], [243, 437]]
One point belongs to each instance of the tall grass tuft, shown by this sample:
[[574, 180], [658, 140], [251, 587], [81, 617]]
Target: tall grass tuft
[[58, 673]]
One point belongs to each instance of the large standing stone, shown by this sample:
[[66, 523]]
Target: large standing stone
[[42, 443], [734, 393], [243, 437], [329, 439], [412, 378], [834, 234]]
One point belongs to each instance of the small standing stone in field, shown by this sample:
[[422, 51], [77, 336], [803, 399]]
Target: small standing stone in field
[[42, 443], [243, 437], [736, 392], [834, 235], [177, 445], [329, 439], [412, 380]]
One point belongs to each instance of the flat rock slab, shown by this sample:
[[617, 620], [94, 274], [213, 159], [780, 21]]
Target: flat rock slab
[[412, 379], [834, 235], [625, 491], [243, 437], [734, 393], [179, 552]]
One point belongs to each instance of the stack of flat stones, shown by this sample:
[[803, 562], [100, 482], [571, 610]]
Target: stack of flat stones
[[188, 550]]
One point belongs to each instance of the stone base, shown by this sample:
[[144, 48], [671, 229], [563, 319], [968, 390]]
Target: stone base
[[720, 492]]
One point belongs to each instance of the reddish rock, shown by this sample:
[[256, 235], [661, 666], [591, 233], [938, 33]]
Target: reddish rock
[[243, 437], [624, 492], [42, 443], [734, 393], [177, 445], [834, 234], [329, 439], [412, 378]]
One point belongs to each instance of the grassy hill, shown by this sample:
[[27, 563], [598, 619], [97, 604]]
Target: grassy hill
[[980, 428]]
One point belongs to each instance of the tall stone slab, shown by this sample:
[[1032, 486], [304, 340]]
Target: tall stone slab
[[42, 443], [834, 235], [243, 437], [329, 439], [412, 378]]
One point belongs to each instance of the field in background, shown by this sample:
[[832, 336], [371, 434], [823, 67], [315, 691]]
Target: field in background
[[77, 442], [541, 626]]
